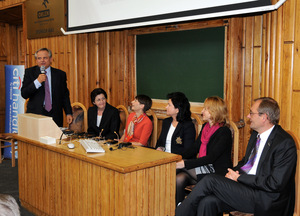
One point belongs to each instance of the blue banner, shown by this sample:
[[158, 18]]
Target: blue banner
[[14, 103]]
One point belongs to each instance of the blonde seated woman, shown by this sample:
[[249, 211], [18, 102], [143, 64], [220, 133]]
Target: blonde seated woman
[[213, 146], [138, 126]]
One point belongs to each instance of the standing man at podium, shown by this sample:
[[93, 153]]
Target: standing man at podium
[[46, 88]]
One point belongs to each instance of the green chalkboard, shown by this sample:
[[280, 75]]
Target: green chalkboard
[[190, 61]]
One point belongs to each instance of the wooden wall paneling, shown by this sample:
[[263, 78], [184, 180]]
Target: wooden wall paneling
[[227, 77], [296, 72], [257, 56], [265, 53], [248, 51], [286, 86], [27, 56], [21, 45], [289, 10], [287, 63], [24, 35], [295, 124], [295, 119], [130, 75], [123, 77], [117, 66], [235, 57], [116, 62], [93, 62], [12, 45], [248, 101], [103, 60], [250, 77], [269, 54], [9, 54], [83, 68], [73, 71], [60, 47], [234, 67], [10, 3], [278, 25], [30, 54], [118, 86], [113, 61]]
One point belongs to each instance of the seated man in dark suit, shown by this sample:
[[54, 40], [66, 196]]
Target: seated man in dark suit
[[46, 88], [262, 183]]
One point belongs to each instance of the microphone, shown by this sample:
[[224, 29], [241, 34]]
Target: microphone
[[42, 69], [117, 135]]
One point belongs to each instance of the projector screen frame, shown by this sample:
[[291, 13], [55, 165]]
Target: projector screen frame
[[257, 6]]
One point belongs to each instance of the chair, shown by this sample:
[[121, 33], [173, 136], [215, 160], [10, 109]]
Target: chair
[[79, 123], [235, 150], [235, 158], [297, 176], [123, 117], [8, 137], [153, 118], [235, 135], [197, 122]]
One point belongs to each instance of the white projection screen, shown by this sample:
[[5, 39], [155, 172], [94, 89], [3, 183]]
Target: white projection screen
[[102, 15]]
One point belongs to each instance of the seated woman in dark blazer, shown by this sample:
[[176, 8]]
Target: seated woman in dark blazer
[[103, 119], [178, 131], [213, 147]]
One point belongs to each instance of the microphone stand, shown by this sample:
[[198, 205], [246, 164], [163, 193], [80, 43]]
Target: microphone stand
[[118, 138], [100, 135], [66, 132]]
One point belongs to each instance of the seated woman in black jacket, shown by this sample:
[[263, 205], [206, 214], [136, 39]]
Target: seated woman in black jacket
[[178, 131], [213, 147], [103, 119]]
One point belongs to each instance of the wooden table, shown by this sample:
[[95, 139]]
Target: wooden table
[[54, 180]]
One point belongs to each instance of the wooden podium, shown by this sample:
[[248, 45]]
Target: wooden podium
[[55, 180]]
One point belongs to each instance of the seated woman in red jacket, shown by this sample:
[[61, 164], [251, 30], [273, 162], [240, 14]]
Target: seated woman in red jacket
[[213, 146], [178, 131], [138, 126]]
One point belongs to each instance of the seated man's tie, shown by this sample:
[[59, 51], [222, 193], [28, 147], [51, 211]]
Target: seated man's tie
[[247, 167]]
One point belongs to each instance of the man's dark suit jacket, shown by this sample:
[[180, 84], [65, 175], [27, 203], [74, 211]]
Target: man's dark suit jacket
[[110, 122], [274, 182], [59, 90], [182, 139]]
